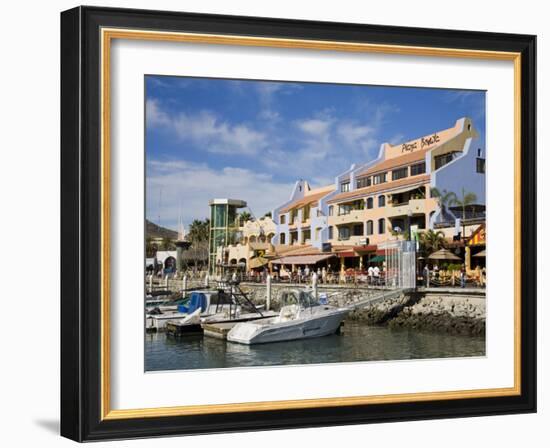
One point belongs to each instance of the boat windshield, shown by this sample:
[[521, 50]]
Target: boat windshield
[[305, 299]]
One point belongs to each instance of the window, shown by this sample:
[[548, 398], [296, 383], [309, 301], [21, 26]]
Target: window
[[305, 213], [443, 159], [399, 173], [317, 233], [282, 219], [381, 226], [480, 165], [344, 209], [358, 230], [343, 233], [330, 233], [370, 203], [370, 229], [381, 200], [379, 178], [364, 182], [419, 168], [331, 210], [293, 215], [344, 187]]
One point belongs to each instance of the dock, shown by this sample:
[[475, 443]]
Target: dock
[[219, 329]]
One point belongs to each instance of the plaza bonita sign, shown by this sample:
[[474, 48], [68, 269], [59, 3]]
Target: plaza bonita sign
[[424, 142]]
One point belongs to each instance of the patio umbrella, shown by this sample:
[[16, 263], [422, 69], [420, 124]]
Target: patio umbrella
[[377, 259], [480, 254], [443, 254]]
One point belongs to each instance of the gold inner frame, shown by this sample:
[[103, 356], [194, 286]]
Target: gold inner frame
[[107, 35]]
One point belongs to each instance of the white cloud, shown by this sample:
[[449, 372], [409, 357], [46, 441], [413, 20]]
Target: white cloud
[[314, 126], [188, 187], [207, 130]]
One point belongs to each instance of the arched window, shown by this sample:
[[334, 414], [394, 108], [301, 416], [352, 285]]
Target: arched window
[[381, 226], [282, 238], [382, 200], [330, 210], [252, 239], [370, 203], [370, 229]]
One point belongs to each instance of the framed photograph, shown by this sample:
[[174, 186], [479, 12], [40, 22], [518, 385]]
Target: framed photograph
[[274, 223]]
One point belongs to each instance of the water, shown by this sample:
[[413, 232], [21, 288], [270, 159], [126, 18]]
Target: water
[[359, 342]]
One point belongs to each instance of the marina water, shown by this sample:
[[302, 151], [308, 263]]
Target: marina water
[[359, 342]]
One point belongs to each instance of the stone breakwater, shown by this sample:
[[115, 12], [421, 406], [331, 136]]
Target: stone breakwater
[[453, 311], [444, 313]]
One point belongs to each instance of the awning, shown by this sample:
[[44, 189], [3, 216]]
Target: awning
[[302, 259], [257, 262], [483, 253], [377, 259], [347, 254], [365, 249]]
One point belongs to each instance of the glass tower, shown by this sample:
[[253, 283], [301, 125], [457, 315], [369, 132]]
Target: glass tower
[[224, 226]]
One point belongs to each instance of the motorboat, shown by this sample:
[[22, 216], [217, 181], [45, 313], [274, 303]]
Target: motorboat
[[301, 316], [207, 303]]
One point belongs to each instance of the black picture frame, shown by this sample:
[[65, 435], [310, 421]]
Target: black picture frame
[[81, 224]]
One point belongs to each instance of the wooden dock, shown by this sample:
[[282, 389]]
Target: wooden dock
[[219, 329]]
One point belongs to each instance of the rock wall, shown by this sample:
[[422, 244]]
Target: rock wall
[[449, 311], [444, 313], [337, 295]]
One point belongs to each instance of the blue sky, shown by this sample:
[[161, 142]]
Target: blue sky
[[252, 140]]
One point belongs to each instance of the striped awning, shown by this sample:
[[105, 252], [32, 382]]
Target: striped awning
[[302, 259]]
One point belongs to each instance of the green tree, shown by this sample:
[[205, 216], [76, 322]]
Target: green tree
[[444, 198], [167, 244], [244, 217], [199, 230], [150, 247], [431, 241], [467, 198]]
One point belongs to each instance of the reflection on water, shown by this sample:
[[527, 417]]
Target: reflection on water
[[359, 342]]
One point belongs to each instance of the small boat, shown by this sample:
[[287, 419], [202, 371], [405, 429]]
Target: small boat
[[301, 316], [207, 303]]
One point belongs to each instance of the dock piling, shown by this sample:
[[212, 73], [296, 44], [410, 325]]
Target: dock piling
[[268, 292]]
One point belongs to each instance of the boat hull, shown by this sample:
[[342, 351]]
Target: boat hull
[[308, 327]]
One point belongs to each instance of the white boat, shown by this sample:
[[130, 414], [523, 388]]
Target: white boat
[[209, 304], [301, 316]]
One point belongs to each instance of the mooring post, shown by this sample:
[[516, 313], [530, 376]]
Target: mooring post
[[151, 284], [206, 281], [166, 282], [184, 285], [268, 292], [314, 285]]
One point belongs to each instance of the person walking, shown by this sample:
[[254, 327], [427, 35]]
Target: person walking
[[376, 273], [370, 272]]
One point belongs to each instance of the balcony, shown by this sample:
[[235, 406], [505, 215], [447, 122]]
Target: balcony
[[414, 207], [351, 217]]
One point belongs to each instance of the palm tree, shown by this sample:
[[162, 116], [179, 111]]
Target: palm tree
[[199, 230], [467, 198], [431, 241], [243, 217], [443, 197], [150, 247]]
